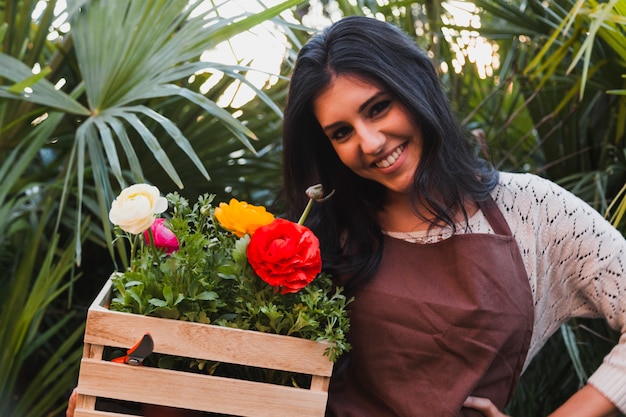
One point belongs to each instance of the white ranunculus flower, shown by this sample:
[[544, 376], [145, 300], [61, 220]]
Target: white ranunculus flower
[[135, 208]]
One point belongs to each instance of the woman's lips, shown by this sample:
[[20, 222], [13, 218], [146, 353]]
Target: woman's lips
[[391, 159]]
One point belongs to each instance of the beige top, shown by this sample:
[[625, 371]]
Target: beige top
[[575, 261]]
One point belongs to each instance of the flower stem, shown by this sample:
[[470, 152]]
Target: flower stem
[[153, 248], [132, 239], [306, 211]]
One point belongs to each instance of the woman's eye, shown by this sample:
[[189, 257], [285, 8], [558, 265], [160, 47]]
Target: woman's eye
[[340, 133], [379, 107]]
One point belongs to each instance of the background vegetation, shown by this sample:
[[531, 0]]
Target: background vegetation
[[118, 96]]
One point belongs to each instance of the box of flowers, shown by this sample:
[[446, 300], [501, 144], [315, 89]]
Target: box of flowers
[[222, 309]]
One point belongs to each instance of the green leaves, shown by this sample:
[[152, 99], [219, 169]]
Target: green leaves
[[131, 56], [586, 20], [27, 294], [34, 88], [71, 129]]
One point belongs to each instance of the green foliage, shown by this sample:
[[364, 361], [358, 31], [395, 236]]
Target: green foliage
[[120, 75], [36, 276], [567, 65], [85, 106], [209, 280]]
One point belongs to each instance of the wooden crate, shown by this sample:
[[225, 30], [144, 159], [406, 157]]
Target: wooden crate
[[146, 385]]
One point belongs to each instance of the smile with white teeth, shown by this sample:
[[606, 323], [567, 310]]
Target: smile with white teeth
[[391, 159]]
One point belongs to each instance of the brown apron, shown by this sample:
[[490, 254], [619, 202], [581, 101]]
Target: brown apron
[[436, 323]]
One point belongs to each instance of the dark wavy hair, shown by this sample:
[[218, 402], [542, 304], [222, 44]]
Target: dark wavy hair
[[449, 170]]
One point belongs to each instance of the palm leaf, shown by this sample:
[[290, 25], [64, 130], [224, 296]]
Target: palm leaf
[[33, 88], [123, 72], [28, 294]]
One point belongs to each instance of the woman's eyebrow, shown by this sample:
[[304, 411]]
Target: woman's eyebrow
[[361, 108], [369, 101]]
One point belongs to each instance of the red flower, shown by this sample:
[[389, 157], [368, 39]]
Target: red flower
[[285, 254], [164, 238]]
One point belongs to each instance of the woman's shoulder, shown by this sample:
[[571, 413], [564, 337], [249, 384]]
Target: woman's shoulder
[[526, 188], [527, 182], [529, 198]]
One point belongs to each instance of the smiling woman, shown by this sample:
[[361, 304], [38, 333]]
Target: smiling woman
[[460, 273]]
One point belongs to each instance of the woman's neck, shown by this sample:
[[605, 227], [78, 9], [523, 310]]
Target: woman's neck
[[399, 215]]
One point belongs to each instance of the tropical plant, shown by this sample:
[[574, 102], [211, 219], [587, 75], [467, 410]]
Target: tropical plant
[[38, 267], [118, 77], [86, 106]]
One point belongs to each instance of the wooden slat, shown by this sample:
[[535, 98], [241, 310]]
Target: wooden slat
[[320, 383], [104, 296], [82, 412], [202, 341], [195, 391], [93, 351], [85, 401]]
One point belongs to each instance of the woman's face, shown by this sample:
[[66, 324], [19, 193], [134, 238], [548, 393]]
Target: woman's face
[[371, 131]]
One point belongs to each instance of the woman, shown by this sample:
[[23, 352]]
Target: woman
[[459, 273]]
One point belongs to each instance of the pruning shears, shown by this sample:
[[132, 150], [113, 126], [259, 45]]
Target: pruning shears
[[136, 354]]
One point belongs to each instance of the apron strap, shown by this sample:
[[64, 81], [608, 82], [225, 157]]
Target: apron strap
[[494, 217]]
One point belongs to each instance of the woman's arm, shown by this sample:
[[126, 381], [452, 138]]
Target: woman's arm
[[588, 402], [576, 261]]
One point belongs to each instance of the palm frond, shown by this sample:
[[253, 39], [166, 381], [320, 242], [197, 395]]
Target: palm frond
[[34, 89]]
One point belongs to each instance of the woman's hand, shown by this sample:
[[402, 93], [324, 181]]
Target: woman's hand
[[71, 405], [484, 405]]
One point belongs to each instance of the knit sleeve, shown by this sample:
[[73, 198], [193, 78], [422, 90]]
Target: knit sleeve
[[576, 262]]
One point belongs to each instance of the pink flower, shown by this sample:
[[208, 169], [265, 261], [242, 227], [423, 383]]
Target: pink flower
[[164, 238]]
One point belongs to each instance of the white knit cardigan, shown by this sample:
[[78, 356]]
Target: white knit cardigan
[[575, 261]]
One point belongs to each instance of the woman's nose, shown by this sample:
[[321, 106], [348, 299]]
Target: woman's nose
[[371, 141]]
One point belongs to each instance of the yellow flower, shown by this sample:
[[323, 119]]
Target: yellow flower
[[242, 218]]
